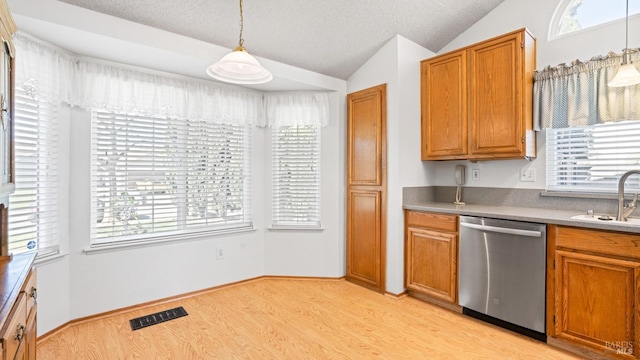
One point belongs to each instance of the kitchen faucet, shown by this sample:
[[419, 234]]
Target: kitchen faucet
[[625, 211]]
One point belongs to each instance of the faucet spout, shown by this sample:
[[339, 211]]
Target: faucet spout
[[624, 212]]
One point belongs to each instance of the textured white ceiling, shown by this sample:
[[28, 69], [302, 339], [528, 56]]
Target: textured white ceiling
[[331, 37]]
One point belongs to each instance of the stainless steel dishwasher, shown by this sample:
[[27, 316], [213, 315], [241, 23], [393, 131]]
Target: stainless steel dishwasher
[[502, 268]]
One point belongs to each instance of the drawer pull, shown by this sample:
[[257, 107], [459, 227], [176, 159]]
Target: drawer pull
[[34, 293], [19, 333]]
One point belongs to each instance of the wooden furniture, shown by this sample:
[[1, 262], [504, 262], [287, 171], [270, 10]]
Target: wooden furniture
[[18, 308], [367, 187], [431, 257], [7, 60], [593, 291], [477, 102]]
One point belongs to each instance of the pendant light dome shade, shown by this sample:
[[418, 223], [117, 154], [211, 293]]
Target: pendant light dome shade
[[627, 75], [239, 67]]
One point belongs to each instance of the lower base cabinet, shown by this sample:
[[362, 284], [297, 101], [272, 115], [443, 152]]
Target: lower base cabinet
[[431, 257], [31, 337], [595, 287], [18, 308]]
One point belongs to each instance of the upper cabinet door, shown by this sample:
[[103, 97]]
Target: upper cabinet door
[[477, 102], [365, 146], [498, 105], [444, 106]]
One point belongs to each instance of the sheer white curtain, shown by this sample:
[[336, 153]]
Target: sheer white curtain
[[95, 85], [113, 89], [578, 95], [44, 72], [296, 109]]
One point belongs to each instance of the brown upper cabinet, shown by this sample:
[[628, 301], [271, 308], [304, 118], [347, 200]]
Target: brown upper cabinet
[[477, 102]]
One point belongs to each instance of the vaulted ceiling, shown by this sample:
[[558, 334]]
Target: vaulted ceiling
[[331, 37]]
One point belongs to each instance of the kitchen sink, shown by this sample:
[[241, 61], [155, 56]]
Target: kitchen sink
[[606, 218]]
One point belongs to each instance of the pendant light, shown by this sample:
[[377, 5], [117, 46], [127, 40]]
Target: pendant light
[[627, 74], [239, 67]]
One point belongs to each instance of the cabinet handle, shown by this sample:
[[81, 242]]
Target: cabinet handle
[[19, 333], [34, 293], [5, 111]]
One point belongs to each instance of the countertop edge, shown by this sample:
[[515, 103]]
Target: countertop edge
[[537, 215], [14, 275]]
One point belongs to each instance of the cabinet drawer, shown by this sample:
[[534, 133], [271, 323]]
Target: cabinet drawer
[[30, 290], [599, 241], [436, 221], [14, 331]]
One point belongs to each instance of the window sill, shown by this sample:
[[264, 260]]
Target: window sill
[[133, 244], [49, 258], [296, 228]]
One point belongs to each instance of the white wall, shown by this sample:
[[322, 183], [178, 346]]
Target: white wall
[[79, 284], [535, 16], [105, 281], [312, 252], [397, 64]]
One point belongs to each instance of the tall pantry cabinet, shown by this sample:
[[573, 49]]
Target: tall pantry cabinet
[[367, 187]]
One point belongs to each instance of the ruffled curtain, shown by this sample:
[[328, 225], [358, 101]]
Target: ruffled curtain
[[45, 73], [94, 85], [578, 95], [296, 109]]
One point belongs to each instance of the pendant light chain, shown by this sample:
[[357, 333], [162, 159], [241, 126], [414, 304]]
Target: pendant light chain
[[626, 36], [241, 40], [238, 66], [627, 74]]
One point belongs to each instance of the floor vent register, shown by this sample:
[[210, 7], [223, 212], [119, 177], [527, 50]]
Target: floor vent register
[[157, 318]]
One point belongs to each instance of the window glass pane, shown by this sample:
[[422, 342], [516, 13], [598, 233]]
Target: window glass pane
[[592, 158], [582, 14], [159, 176], [296, 175]]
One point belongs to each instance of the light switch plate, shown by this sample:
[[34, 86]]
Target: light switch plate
[[528, 174]]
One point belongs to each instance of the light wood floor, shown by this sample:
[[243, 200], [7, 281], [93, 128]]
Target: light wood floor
[[295, 319]]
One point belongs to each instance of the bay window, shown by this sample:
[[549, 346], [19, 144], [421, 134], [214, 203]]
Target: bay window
[[161, 176]]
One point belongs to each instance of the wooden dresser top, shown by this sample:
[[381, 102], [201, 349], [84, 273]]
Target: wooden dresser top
[[13, 274]]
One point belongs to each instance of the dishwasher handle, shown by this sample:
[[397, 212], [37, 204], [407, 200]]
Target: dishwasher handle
[[496, 229]]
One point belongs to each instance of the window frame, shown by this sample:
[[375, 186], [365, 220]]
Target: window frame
[[558, 16], [315, 215], [45, 222], [586, 148], [183, 231]]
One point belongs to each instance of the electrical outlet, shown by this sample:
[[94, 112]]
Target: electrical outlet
[[475, 174], [528, 174], [219, 253]]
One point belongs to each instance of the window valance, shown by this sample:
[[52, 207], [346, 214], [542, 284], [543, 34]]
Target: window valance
[[296, 109], [92, 84], [578, 95]]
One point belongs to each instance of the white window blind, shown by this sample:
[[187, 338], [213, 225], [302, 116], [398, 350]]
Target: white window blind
[[155, 177], [592, 158], [296, 175], [33, 214]]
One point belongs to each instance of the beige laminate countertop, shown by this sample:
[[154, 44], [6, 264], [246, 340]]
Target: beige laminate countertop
[[558, 217]]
